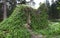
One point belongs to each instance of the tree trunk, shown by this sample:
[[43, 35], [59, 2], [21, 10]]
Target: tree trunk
[[28, 19], [4, 10]]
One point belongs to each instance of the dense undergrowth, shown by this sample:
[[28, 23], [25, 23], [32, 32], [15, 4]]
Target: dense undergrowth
[[13, 26], [39, 20]]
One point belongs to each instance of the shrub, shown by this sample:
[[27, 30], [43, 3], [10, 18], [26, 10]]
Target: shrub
[[39, 19], [13, 26]]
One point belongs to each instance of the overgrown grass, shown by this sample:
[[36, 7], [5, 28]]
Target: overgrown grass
[[53, 30]]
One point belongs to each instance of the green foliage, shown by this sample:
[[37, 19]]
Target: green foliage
[[39, 20], [54, 28], [13, 26], [54, 11], [43, 16]]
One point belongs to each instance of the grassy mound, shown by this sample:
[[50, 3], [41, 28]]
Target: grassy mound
[[13, 26]]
